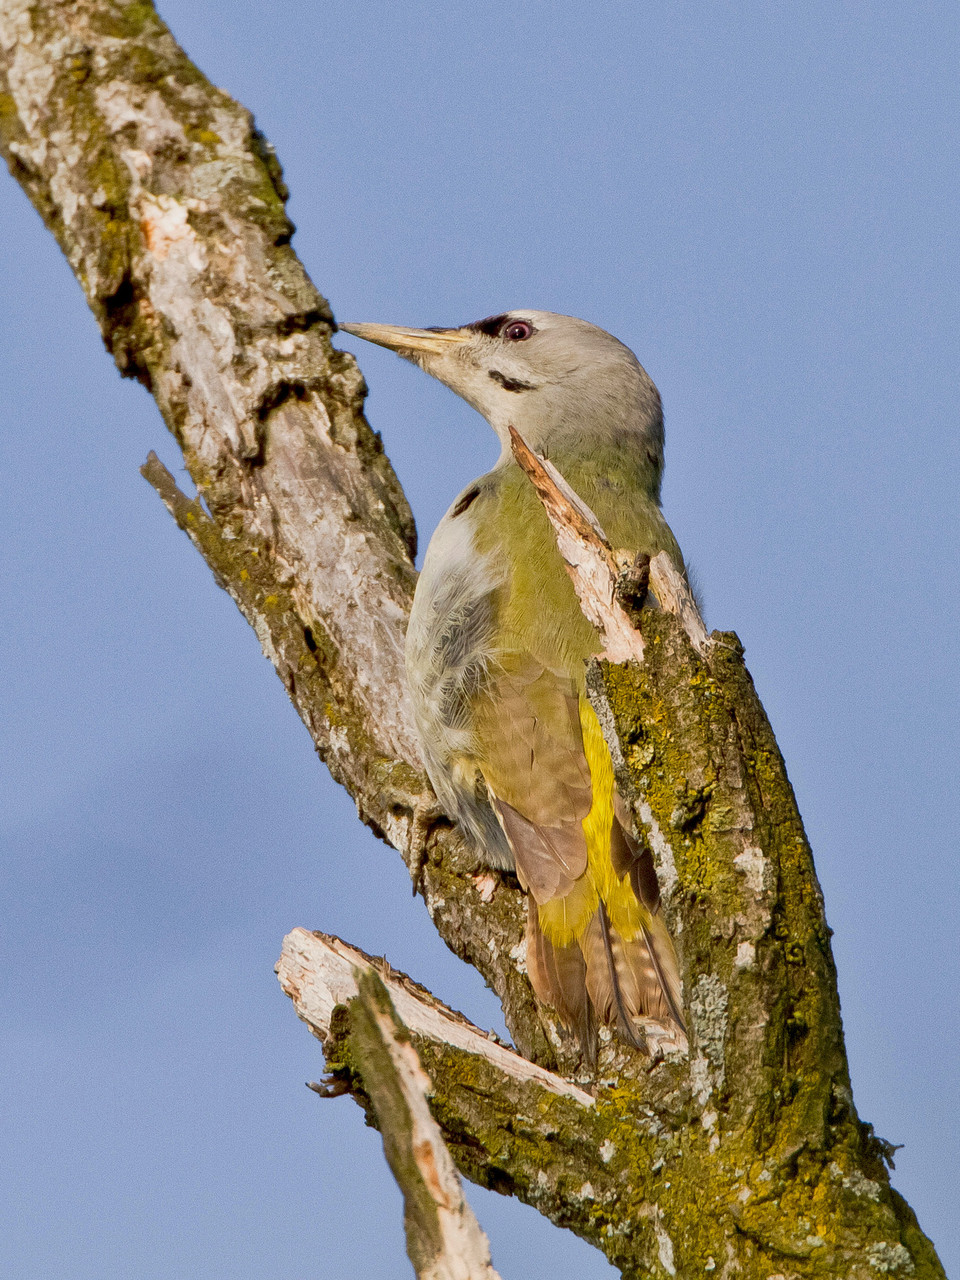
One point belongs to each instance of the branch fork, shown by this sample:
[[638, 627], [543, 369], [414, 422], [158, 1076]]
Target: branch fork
[[169, 206]]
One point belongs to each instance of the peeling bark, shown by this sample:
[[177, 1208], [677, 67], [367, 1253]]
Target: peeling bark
[[746, 1160]]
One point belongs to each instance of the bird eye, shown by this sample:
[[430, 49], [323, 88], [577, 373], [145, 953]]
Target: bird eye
[[518, 331]]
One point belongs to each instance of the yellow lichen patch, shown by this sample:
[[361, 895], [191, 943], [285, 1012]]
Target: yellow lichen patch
[[204, 136]]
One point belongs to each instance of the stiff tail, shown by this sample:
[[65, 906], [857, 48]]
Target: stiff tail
[[597, 947], [558, 975], [615, 1000], [630, 979], [664, 960], [605, 978]]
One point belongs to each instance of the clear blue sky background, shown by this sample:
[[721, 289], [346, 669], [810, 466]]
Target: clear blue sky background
[[762, 201]]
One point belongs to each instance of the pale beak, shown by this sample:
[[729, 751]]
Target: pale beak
[[397, 338]]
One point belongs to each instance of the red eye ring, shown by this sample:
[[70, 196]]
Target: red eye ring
[[518, 331]]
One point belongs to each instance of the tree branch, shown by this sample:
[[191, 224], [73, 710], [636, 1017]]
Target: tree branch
[[444, 1239], [693, 750], [510, 1125], [169, 205], [748, 1161], [320, 973]]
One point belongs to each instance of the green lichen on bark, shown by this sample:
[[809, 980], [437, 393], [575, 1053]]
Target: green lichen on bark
[[381, 1085], [794, 1182], [750, 1159], [169, 205], [645, 1176], [128, 125], [444, 1240], [306, 659]]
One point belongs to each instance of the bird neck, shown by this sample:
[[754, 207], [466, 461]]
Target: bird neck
[[596, 465]]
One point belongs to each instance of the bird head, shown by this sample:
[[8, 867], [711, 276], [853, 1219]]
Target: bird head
[[560, 381]]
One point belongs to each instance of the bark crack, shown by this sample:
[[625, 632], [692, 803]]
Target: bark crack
[[169, 205]]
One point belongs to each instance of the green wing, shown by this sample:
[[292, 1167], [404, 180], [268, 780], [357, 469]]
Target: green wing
[[496, 653]]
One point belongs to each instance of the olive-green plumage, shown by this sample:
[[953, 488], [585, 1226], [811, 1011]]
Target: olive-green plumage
[[496, 652]]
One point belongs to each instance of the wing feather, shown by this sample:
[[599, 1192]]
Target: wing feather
[[495, 651]]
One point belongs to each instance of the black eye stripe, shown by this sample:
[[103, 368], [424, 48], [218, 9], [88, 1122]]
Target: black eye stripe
[[491, 326], [510, 384], [494, 326]]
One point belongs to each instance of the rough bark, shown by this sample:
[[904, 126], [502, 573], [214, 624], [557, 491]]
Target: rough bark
[[793, 1178], [444, 1239], [746, 1160], [169, 206]]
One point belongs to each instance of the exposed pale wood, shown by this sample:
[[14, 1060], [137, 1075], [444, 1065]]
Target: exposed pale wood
[[594, 570], [674, 596], [319, 971], [444, 1239], [586, 553], [748, 1162]]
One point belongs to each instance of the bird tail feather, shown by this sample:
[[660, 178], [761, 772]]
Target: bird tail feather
[[558, 975], [627, 980], [663, 957]]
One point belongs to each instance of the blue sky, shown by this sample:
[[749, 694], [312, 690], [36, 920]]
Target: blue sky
[[763, 205]]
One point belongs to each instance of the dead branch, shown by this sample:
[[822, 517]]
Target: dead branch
[[748, 1161], [444, 1239]]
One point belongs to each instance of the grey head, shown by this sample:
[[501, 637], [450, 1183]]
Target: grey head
[[559, 380]]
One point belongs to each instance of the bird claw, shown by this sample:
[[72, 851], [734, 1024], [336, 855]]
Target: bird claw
[[426, 813], [330, 1086]]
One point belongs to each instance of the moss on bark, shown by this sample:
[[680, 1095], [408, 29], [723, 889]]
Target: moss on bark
[[748, 1160]]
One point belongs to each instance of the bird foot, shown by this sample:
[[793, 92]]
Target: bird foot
[[426, 813], [330, 1086]]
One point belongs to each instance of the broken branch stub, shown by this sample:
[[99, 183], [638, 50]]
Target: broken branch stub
[[444, 1239], [585, 552], [169, 206], [600, 582], [319, 972]]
